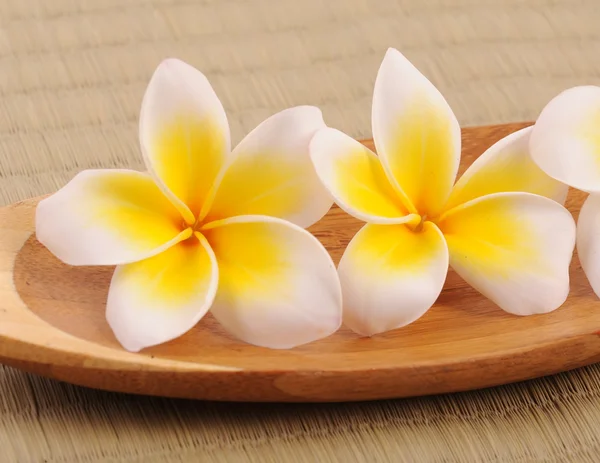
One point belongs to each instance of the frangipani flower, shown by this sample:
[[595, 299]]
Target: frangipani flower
[[565, 143], [497, 226], [207, 228]]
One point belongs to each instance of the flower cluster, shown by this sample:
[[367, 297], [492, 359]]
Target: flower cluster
[[208, 227]]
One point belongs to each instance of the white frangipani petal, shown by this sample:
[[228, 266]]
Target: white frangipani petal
[[158, 299], [416, 134], [353, 175], [506, 166], [108, 217], [272, 174], [588, 240], [184, 134], [391, 276], [514, 248], [565, 141], [278, 286]]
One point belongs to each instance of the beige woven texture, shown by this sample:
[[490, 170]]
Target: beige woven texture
[[72, 75]]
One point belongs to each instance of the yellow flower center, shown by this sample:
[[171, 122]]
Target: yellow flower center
[[417, 226], [194, 228]]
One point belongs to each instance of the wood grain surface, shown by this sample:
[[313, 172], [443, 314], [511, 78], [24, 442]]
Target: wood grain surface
[[52, 323]]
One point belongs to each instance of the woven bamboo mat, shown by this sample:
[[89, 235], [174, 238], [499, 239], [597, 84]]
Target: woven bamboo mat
[[72, 74]]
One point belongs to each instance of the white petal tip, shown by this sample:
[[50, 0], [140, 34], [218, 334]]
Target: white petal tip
[[391, 51], [310, 116], [172, 64], [309, 110], [129, 340], [286, 346], [537, 310], [552, 300], [367, 330], [579, 91], [396, 56], [300, 335], [126, 341], [183, 73], [132, 348]]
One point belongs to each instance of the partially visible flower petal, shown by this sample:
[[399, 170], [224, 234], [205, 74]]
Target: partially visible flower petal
[[108, 217], [278, 286], [416, 134], [184, 134], [565, 141], [353, 175], [506, 166], [588, 240], [272, 174], [158, 299], [514, 248], [391, 276]]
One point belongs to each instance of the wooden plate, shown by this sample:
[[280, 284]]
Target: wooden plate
[[52, 323]]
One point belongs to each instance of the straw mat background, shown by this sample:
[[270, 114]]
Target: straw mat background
[[72, 74]]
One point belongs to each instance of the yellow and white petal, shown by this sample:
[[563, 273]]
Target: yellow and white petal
[[514, 248], [278, 286], [355, 178], [108, 217], [416, 134], [158, 299], [272, 174], [588, 240], [565, 141], [391, 275], [184, 133], [506, 166]]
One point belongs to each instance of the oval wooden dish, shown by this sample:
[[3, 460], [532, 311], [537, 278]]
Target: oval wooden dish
[[52, 323]]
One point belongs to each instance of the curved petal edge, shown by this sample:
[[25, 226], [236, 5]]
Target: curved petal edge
[[159, 299], [278, 285], [391, 276], [514, 248]]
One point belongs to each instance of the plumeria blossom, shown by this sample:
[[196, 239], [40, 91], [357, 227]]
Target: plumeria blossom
[[565, 143], [501, 227], [207, 227]]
